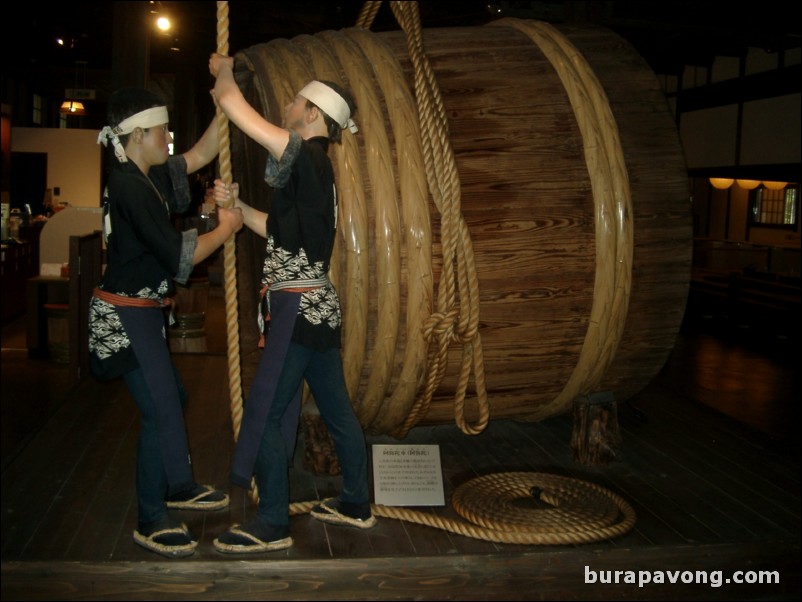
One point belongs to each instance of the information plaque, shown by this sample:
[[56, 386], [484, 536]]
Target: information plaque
[[407, 475]]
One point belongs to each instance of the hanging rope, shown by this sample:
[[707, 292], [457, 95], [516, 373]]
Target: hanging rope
[[367, 14], [229, 249], [454, 320]]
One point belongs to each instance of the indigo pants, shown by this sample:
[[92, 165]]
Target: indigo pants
[[323, 372]]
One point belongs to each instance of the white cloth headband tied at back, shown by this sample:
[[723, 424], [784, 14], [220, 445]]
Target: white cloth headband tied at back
[[330, 103], [144, 119]]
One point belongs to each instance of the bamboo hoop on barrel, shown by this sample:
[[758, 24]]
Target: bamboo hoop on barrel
[[612, 202], [413, 189], [453, 320], [285, 71], [354, 49], [388, 261]]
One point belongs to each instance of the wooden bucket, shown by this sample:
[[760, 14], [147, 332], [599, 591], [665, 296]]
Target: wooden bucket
[[188, 333], [581, 284]]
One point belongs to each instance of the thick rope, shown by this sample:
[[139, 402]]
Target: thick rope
[[454, 321], [229, 248], [560, 511], [367, 14]]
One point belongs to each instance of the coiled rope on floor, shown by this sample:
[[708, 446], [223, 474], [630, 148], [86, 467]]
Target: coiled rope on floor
[[562, 510], [572, 511]]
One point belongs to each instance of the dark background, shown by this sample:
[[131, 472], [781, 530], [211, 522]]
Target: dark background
[[102, 38]]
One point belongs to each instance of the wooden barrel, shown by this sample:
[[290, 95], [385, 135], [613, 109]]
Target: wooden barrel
[[562, 256]]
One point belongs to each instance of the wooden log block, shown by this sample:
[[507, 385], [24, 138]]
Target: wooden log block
[[320, 457], [595, 437]]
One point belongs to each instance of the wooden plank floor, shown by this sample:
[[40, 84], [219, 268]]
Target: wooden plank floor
[[710, 494]]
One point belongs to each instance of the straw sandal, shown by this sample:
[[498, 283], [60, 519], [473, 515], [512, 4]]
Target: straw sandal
[[335, 512], [202, 497], [238, 539], [172, 542]]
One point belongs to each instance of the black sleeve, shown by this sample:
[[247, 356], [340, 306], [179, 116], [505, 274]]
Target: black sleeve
[[172, 182]]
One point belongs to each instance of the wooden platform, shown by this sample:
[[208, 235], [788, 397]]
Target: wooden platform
[[711, 495]]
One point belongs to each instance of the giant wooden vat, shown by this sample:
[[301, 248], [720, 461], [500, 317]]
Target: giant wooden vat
[[561, 258]]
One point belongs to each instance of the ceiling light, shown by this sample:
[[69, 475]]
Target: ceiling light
[[721, 183], [748, 184], [73, 107]]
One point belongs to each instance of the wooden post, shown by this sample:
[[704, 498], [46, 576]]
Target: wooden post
[[595, 436], [320, 457]]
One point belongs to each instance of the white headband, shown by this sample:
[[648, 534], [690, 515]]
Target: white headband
[[330, 103], [144, 119]]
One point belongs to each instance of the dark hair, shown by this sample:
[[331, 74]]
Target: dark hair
[[333, 128], [127, 102]]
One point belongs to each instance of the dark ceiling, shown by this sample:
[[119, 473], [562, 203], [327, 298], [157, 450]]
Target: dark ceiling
[[668, 35]]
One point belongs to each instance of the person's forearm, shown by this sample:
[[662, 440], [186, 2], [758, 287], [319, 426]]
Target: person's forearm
[[205, 149], [226, 90], [254, 219], [245, 117], [209, 242]]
